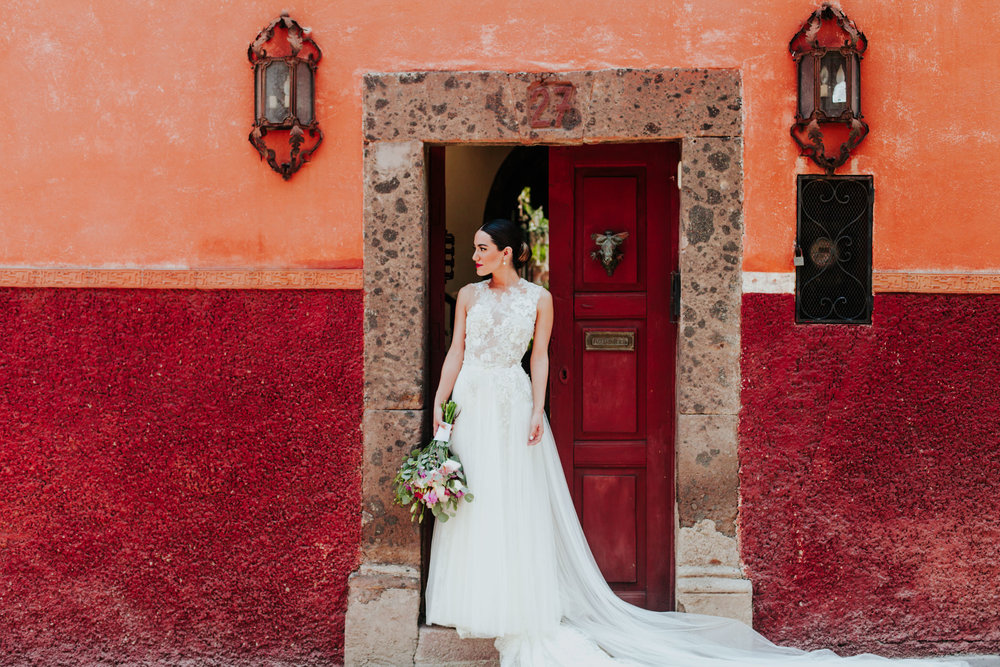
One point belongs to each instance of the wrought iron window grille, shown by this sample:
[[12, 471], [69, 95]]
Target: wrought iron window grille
[[833, 278]]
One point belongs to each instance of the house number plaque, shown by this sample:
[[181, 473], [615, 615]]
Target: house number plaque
[[548, 102], [617, 341]]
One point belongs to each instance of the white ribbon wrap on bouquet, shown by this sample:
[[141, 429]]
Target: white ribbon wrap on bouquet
[[443, 433]]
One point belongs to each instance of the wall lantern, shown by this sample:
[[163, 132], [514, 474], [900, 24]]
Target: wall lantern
[[827, 51], [284, 59]]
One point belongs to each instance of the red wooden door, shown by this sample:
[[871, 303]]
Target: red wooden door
[[612, 356]]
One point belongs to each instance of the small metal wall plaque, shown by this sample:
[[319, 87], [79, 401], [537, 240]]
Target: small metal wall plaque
[[617, 341]]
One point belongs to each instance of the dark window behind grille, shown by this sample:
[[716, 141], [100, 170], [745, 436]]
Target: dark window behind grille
[[834, 283]]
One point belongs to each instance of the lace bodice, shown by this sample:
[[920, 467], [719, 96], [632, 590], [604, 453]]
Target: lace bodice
[[499, 325]]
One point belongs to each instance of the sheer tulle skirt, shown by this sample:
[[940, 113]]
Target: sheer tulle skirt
[[514, 563], [492, 569]]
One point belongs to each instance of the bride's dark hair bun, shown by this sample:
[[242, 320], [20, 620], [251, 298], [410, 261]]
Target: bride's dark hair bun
[[525, 255], [508, 234]]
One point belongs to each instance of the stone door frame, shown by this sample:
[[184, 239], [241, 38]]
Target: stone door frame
[[402, 114]]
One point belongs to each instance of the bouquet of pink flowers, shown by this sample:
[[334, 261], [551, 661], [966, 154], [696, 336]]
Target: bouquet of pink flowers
[[432, 477]]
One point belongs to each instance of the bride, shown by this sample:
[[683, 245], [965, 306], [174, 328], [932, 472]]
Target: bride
[[514, 564]]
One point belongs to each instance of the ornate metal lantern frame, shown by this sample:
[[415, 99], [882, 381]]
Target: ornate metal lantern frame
[[827, 51], [285, 131]]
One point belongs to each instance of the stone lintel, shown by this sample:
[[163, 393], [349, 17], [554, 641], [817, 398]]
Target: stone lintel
[[574, 119], [650, 105], [501, 107]]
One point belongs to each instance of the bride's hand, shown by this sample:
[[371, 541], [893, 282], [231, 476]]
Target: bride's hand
[[536, 430], [438, 419]]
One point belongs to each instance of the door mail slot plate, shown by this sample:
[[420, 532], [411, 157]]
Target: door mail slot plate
[[617, 341]]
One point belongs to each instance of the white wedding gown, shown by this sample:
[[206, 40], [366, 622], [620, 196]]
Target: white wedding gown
[[514, 563]]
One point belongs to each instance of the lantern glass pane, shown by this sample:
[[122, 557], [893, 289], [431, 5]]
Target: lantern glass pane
[[833, 84], [806, 102], [304, 93], [258, 92], [856, 86], [277, 91]]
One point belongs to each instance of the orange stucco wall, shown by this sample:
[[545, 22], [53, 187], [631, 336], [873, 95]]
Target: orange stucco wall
[[126, 123]]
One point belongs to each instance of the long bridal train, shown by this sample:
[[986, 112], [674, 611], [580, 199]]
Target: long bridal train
[[594, 615]]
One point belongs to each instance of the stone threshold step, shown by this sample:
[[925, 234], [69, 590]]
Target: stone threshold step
[[442, 647]]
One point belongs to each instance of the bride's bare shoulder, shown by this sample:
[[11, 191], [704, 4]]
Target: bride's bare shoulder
[[468, 288], [543, 296], [465, 293]]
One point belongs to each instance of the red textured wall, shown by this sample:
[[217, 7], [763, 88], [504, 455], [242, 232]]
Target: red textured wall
[[179, 475], [869, 466]]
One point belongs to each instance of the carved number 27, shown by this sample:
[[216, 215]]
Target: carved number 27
[[539, 99]]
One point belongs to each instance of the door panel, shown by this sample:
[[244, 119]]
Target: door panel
[[610, 379], [609, 383], [612, 355], [606, 499], [620, 304], [609, 200]]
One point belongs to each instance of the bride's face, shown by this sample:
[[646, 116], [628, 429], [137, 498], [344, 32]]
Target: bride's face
[[487, 256]]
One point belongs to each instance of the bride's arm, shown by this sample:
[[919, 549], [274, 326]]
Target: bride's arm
[[540, 365], [453, 360]]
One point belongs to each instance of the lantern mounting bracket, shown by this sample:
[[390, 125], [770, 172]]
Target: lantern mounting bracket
[[808, 34]]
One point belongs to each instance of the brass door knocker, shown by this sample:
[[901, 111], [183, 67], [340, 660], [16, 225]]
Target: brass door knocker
[[608, 253]]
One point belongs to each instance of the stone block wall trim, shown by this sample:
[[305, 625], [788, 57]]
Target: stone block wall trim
[[886, 282], [707, 471], [381, 624], [388, 534], [940, 283], [730, 598], [350, 279], [395, 255], [760, 282], [401, 112], [440, 646], [711, 257], [705, 584], [710, 580]]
